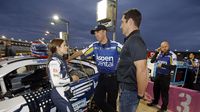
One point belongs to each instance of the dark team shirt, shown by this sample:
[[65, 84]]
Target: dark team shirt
[[167, 59], [134, 49]]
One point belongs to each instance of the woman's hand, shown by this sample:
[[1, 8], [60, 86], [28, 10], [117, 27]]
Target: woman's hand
[[75, 78]]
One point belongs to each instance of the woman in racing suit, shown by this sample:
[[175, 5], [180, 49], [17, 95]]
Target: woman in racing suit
[[59, 76]]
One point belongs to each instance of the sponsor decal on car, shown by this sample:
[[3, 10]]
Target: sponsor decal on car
[[79, 104]]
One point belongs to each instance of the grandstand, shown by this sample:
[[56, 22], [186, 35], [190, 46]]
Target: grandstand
[[20, 47]]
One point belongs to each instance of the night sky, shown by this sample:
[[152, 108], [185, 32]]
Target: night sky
[[174, 20]]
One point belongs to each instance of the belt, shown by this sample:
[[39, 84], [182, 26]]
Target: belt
[[130, 87], [159, 74], [108, 74]]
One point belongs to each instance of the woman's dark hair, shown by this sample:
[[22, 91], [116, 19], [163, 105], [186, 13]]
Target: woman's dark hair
[[53, 44]]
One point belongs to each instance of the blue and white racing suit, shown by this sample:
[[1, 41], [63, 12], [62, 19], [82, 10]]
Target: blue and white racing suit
[[59, 78]]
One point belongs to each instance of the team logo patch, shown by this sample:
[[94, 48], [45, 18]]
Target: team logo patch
[[55, 70]]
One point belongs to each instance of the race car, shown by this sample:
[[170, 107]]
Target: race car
[[25, 85]]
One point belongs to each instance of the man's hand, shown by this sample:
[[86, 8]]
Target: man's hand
[[158, 49], [75, 55], [141, 75]]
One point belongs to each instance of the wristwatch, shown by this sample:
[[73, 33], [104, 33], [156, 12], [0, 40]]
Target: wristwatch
[[140, 97]]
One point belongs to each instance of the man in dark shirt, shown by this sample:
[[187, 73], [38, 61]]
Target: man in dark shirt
[[132, 67]]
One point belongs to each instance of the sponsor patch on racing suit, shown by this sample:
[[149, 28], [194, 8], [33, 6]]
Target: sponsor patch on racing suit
[[105, 55]]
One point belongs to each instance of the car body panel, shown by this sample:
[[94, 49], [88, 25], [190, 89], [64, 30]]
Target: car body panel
[[16, 102]]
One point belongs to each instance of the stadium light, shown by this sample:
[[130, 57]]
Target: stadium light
[[4, 37], [52, 23], [47, 32], [107, 14], [42, 39], [56, 17], [106, 11], [102, 10]]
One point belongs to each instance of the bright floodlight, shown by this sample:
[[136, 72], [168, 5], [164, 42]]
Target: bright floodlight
[[56, 17], [199, 50], [187, 50], [63, 35], [42, 39], [47, 32], [102, 10], [52, 23], [3, 37]]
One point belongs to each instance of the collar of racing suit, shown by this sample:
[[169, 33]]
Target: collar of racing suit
[[107, 44]]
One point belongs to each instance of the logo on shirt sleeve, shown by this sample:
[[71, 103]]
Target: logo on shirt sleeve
[[55, 68]]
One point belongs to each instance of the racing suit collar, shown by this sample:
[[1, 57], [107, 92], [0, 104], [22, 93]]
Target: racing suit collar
[[57, 55], [165, 53], [107, 44]]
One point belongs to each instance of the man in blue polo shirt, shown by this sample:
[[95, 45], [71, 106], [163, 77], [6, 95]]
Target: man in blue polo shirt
[[166, 61], [106, 54]]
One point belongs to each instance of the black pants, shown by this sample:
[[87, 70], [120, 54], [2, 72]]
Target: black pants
[[161, 85], [190, 77], [106, 93]]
